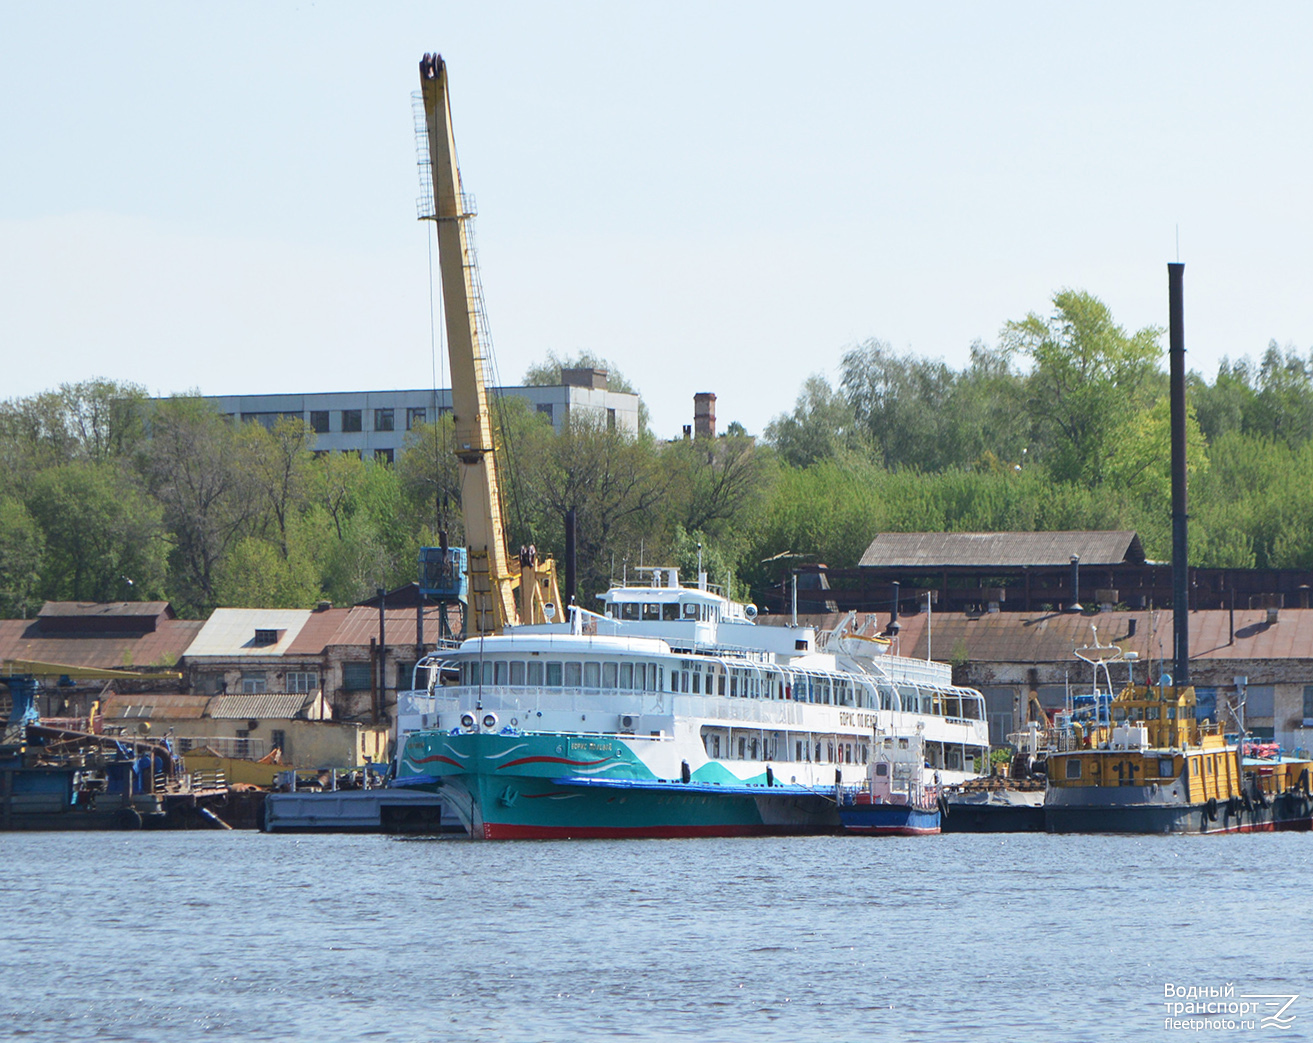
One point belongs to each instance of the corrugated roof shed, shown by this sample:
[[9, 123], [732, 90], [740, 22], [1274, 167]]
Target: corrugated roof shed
[[262, 706], [1005, 549], [232, 631], [1015, 637], [162, 647]]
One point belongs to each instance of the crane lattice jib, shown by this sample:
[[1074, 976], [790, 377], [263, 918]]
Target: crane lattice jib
[[492, 583]]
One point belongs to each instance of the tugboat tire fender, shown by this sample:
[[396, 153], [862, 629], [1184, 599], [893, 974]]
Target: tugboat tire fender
[[128, 818], [1210, 809]]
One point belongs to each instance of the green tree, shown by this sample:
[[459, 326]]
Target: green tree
[[101, 531], [822, 426], [1087, 374], [196, 467], [22, 549]]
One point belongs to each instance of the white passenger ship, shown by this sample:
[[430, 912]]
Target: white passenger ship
[[672, 713]]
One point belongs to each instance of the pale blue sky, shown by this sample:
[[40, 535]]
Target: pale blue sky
[[718, 197]]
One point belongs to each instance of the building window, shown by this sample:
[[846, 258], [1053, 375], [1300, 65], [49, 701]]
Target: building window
[[252, 682], [610, 419], [405, 676], [266, 637], [278, 739], [302, 680], [350, 420], [384, 420], [1308, 702], [383, 456], [545, 408], [357, 677], [319, 421], [415, 416]]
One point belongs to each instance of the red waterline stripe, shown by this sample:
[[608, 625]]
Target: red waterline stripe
[[551, 760], [435, 757], [511, 831]]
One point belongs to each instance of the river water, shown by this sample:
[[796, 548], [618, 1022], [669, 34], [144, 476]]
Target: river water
[[245, 936]]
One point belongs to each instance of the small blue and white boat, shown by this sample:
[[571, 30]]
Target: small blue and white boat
[[896, 800]]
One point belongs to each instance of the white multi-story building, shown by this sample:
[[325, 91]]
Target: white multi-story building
[[375, 423]]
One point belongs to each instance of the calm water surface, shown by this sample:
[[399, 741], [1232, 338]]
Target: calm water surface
[[242, 936]]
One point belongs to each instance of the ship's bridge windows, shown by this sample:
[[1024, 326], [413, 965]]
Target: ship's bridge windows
[[554, 674], [651, 612], [592, 675], [608, 675], [697, 683], [1073, 767], [670, 612], [629, 610], [574, 674], [952, 707], [690, 610], [533, 675], [502, 672], [627, 676], [517, 673]]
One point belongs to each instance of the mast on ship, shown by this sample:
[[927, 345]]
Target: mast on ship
[[494, 578]]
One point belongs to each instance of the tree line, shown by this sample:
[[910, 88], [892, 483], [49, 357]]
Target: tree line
[[1062, 424]]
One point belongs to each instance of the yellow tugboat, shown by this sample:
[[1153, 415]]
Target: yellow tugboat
[[1153, 767]]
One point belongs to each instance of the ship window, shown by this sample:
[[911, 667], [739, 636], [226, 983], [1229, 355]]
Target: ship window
[[697, 684], [753, 748], [715, 745], [487, 673], [554, 675], [608, 675], [629, 610], [1194, 766], [1164, 767], [502, 672], [517, 674], [626, 675], [592, 675], [720, 682], [690, 611], [797, 750], [670, 611], [534, 673], [574, 674], [743, 745], [651, 611], [1073, 768]]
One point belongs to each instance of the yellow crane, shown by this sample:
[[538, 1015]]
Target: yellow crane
[[494, 578]]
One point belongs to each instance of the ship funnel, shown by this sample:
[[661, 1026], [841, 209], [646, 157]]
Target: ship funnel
[[1180, 563]]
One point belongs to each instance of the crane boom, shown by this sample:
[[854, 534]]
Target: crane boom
[[493, 577]]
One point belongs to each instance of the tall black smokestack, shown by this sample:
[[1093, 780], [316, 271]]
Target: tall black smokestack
[[1180, 562]]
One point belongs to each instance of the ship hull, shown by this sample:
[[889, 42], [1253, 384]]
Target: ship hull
[[1288, 811], [535, 787], [897, 820]]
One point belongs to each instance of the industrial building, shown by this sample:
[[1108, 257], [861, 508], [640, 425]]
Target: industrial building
[[375, 424]]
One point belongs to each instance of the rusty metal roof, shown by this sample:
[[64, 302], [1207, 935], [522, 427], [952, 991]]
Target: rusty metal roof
[[162, 647], [1017, 637], [317, 632], [1004, 549], [149, 706], [361, 624], [100, 610]]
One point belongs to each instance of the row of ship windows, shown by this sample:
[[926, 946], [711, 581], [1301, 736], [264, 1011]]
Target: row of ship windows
[[829, 750], [715, 680], [639, 677], [651, 612]]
